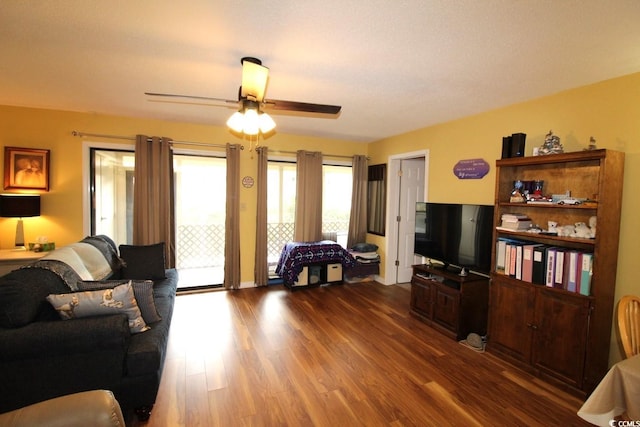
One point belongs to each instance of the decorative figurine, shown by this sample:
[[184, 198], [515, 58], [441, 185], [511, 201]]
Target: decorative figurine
[[592, 144], [516, 193], [582, 231], [551, 145]]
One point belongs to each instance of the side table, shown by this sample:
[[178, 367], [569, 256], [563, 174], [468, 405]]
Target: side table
[[11, 259]]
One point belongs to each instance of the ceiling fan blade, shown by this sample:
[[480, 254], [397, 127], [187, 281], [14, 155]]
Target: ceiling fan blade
[[202, 98], [254, 79], [277, 104]]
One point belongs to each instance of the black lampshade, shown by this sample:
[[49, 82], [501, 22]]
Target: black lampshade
[[19, 205]]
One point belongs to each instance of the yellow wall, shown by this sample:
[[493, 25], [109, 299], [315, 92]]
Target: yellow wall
[[609, 111], [62, 208]]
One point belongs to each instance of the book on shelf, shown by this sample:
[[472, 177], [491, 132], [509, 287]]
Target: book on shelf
[[515, 221], [516, 226], [514, 216]]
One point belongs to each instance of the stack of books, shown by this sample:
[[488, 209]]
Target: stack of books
[[515, 222], [546, 265]]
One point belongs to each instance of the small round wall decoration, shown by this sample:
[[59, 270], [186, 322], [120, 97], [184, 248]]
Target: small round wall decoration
[[247, 182]]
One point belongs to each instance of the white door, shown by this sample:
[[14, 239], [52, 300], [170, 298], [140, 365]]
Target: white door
[[411, 191]]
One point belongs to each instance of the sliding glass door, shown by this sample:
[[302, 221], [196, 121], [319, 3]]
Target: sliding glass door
[[200, 217]]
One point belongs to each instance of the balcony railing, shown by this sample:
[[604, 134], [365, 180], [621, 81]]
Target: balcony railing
[[203, 245]]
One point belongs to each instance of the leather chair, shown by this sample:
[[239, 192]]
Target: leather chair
[[96, 408]]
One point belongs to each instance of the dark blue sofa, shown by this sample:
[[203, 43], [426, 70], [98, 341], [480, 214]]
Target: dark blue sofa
[[42, 356]]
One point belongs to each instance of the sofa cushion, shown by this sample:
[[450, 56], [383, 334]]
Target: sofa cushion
[[18, 307], [147, 351], [142, 290], [102, 302], [143, 262]]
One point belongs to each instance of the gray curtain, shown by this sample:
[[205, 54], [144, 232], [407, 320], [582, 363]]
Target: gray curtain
[[358, 219], [232, 220], [261, 257], [308, 221], [153, 196]]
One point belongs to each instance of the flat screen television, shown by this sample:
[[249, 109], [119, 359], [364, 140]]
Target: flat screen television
[[456, 235]]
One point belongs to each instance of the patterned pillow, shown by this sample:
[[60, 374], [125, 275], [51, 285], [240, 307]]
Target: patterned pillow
[[142, 290], [96, 303]]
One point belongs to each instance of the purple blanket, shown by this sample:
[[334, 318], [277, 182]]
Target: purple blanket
[[296, 255]]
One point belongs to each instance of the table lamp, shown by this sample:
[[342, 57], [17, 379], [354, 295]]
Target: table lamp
[[19, 206]]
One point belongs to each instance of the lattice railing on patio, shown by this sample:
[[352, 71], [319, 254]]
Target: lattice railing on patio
[[203, 245], [200, 246]]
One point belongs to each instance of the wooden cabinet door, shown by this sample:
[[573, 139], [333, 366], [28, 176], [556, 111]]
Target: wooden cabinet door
[[421, 298], [560, 337], [511, 318], [446, 307]]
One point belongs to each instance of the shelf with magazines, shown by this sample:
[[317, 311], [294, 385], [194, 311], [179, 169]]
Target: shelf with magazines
[[558, 328]]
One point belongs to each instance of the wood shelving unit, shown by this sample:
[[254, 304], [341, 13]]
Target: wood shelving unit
[[559, 335]]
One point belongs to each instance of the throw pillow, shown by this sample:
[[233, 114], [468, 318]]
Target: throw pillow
[[143, 262], [142, 290], [365, 247], [96, 303]]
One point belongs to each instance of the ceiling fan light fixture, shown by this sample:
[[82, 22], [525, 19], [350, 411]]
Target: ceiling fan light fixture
[[266, 123], [251, 124], [236, 122]]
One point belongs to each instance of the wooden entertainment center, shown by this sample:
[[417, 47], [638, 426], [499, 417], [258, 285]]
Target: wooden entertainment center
[[558, 332], [455, 305]]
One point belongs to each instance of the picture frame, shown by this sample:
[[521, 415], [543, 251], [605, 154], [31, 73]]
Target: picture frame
[[26, 169]]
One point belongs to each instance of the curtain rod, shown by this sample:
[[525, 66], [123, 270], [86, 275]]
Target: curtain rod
[[133, 138], [323, 154], [205, 144]]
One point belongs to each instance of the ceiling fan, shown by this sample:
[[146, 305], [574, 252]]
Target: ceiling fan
[[250, 117]]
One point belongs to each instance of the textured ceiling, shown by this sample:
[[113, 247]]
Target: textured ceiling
[[394, 66]]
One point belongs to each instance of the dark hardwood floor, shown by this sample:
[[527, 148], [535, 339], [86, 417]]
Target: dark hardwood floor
[[340, 355]]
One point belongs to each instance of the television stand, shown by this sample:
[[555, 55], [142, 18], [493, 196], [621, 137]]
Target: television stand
[[455, 305]]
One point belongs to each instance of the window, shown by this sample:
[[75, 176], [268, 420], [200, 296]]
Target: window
[[337, 186], [281, 207], [281, 204]]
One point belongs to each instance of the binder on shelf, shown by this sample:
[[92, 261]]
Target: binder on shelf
[[558, 275], [550, 271], [539, 265], [585, 273], [513, 258], [528, 260], [572, 275], [519, 262], [507, 257], [501, 248]]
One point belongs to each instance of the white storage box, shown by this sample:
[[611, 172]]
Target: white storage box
[[334, 273], [303, 277]]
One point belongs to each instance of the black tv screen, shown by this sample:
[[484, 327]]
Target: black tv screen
[[457, 235]]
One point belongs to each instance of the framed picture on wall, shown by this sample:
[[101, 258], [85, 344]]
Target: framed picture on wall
[[26, 168]]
